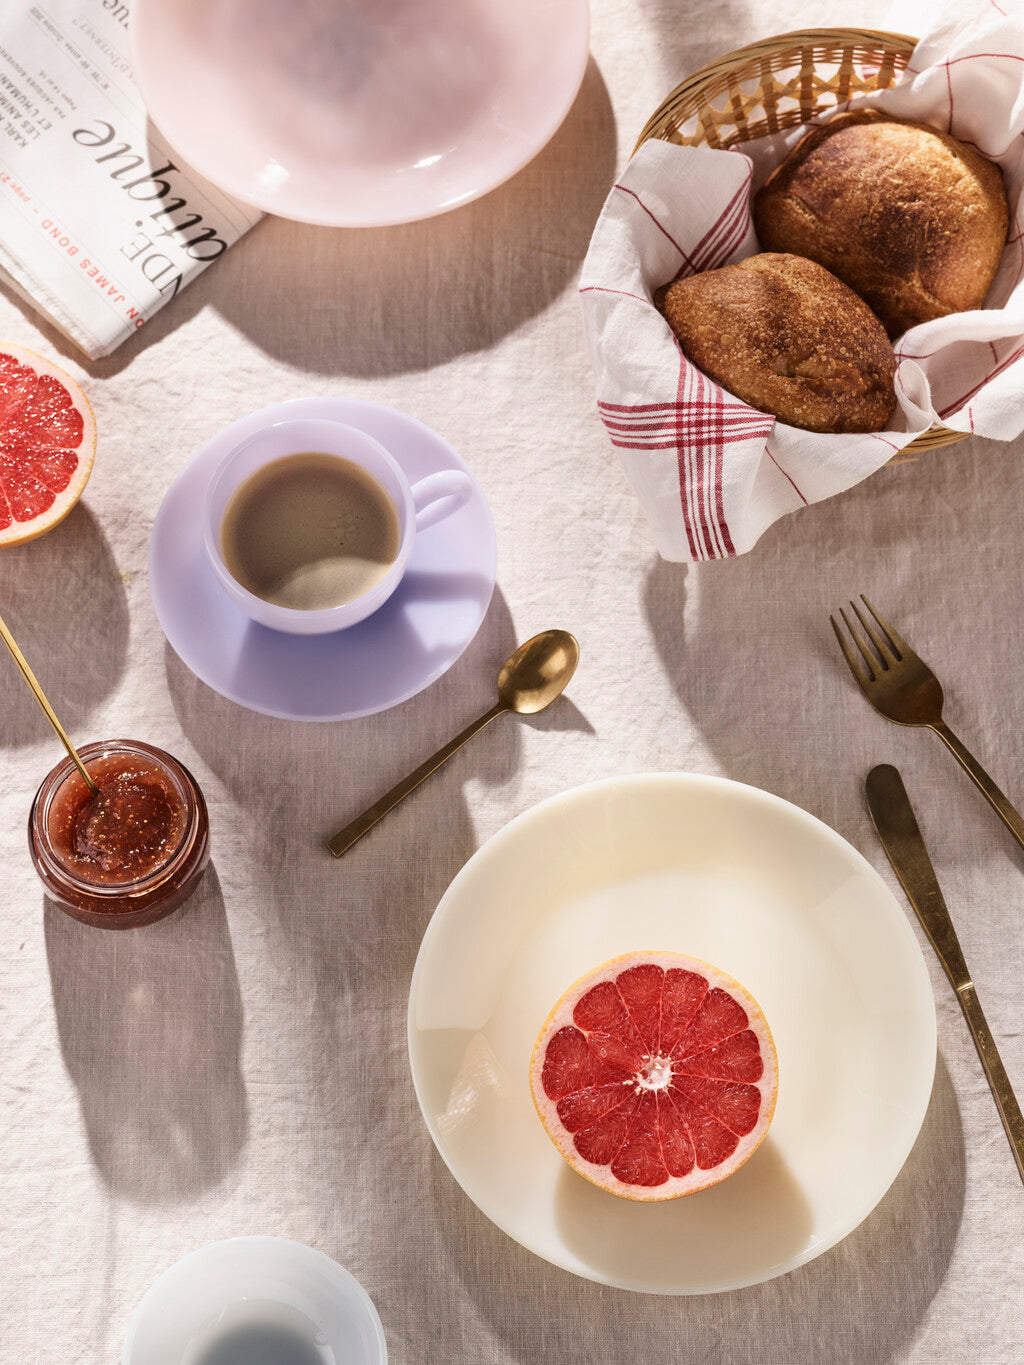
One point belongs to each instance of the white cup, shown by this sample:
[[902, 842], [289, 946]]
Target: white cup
[[216, 1302], [417, 507]]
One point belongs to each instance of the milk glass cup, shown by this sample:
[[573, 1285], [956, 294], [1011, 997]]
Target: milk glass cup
[[417, 506], [252, 1299]]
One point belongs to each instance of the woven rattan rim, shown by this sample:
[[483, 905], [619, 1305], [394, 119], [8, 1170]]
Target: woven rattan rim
[[740, 96]]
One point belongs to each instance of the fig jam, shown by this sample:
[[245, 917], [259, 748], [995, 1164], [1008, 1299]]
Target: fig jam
[[131, 829], [131, 853]]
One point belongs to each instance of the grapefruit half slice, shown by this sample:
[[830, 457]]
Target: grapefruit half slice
[[47, 444], [655, 1075]]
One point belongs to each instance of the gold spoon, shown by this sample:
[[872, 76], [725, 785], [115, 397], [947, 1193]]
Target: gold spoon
[[37, 691], [530, 679]]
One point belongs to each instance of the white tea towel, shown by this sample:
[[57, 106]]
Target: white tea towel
[[712, 473]]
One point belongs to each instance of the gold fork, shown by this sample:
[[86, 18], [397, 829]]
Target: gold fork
[[901, 687]]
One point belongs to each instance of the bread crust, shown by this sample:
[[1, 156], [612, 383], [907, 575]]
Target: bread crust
[[787, 337], [911, 219]]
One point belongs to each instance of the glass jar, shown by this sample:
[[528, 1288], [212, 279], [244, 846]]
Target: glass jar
[[129, 856]]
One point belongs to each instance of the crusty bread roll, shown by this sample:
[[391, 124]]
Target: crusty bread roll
[[910, 218], [788, 338]]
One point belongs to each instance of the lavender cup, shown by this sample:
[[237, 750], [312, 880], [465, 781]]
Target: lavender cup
[[417, 506]]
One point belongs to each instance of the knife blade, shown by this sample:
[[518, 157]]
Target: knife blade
[[905, 848]]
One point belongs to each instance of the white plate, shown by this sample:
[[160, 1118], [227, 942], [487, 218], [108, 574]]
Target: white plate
[[734, 876]]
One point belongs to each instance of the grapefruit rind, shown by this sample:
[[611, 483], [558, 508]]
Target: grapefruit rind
[[561, 1016], [20, 532]]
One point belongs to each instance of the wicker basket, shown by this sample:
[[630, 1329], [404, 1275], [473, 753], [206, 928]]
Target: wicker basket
[[779, 83]]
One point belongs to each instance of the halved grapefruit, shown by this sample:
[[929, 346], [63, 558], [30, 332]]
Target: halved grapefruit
[[655, 1075], [47, 444]]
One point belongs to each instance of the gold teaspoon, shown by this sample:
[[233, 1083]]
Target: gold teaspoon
[[40, 697], [530, 679]]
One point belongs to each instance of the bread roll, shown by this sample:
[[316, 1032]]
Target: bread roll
[[910, 218], [788, 338]]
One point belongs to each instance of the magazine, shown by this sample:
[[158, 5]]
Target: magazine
[[101, 223]]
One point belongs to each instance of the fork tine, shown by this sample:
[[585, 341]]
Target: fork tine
[[855, 666], [870, 662], [885, 653], [899, 644]]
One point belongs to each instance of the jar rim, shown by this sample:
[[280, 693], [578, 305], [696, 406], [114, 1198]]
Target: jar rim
[[54, 781]]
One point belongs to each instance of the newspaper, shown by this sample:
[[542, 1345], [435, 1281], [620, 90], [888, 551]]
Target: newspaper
[[101, 224]]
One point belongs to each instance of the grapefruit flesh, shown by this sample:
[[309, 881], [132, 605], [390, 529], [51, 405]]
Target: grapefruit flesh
[[47, 444], [655, 1075]]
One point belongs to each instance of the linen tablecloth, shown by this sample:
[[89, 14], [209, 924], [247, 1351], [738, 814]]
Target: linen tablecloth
[[241, 1067]]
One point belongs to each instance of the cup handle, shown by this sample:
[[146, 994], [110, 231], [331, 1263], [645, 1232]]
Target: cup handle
[[438, 495]]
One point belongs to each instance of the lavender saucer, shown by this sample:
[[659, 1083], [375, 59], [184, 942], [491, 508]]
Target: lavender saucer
[[398, 651]]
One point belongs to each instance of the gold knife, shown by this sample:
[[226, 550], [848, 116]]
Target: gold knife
[[901, 838]]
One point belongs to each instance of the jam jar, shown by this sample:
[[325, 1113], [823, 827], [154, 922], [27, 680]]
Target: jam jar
[[132, 853]]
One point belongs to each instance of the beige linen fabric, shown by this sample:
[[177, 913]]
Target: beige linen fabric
[[241, 1067]]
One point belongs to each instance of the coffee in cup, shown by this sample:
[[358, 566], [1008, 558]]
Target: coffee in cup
[[309, 524], [309, 531]]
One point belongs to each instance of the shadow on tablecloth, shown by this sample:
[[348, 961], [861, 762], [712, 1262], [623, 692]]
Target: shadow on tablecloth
[[381, 301], [150, 1026], [357, 921], [746, 643], [64, 600]]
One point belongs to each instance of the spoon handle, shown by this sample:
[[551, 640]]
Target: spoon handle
[[48, 711], [346, 837]]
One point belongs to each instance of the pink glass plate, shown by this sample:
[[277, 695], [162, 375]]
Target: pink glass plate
[[359, 113]]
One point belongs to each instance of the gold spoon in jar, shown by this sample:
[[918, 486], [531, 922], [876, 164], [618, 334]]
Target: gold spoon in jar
[[530, 679], [40, 697]]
